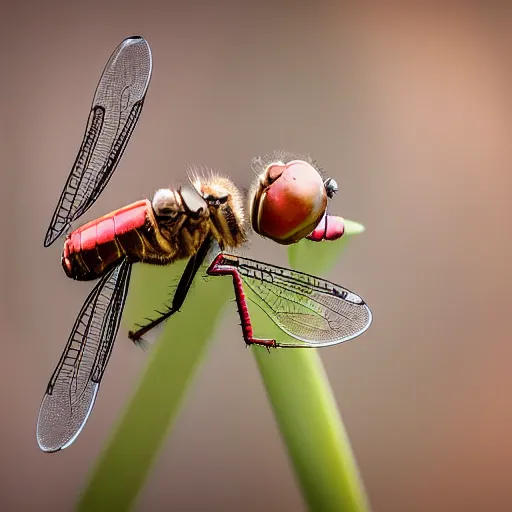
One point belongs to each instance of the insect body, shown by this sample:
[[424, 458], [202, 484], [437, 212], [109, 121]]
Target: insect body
[[171, 227], [287, 203]]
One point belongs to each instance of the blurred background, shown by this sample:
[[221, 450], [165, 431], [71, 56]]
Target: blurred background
[[409, 109]]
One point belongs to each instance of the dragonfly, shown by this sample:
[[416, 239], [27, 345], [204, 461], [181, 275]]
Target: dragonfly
[[199, 221]]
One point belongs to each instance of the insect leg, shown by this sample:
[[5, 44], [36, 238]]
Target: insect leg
[[225, 270], [193, 265]]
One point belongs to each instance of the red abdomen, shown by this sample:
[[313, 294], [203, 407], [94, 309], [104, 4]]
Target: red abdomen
[[329, 228], [97, 246]]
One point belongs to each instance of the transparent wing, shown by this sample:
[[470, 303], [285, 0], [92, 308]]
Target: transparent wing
[[116, 108], [71, 392], [315, 311]]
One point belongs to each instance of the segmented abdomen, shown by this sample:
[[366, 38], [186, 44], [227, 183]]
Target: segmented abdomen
[[94, 248]]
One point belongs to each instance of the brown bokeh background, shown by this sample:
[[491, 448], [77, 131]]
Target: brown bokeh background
[[409, 109]]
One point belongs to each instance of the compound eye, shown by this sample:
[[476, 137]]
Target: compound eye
[[331, 187], [292, 206]]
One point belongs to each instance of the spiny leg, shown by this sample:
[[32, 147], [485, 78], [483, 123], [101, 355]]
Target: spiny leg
[[217, 269], [193, 265]]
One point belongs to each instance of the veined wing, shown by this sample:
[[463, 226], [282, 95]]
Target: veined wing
[[310, 309], [72, 390], [116, 108]]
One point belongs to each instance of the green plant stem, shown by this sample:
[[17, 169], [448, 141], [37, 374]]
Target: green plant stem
[[304, 406], [311, 427]]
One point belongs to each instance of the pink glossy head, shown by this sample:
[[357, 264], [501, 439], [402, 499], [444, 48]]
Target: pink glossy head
[[289, 202]]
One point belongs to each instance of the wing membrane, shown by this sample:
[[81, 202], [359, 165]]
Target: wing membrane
[[116, 108], [315, 311], [72, 390]]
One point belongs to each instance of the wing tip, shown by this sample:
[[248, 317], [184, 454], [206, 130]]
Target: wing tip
[[136, 39], [47, 449], [50, 237]]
